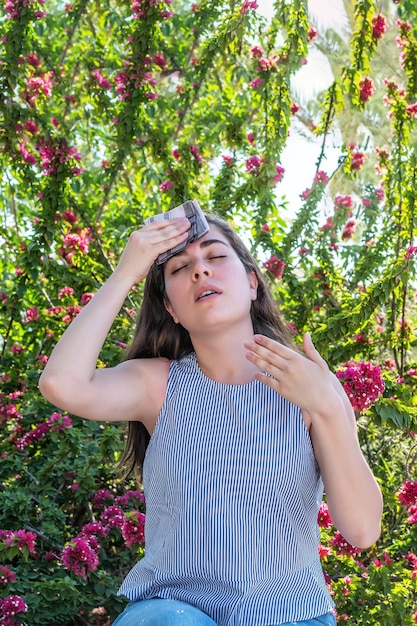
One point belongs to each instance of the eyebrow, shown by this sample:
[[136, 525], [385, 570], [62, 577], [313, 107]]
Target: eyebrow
[[204, 244]]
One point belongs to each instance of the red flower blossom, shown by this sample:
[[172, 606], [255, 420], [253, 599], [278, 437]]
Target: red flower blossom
[[321, 177], [366, 88], [357, 160], [279, 174], [253, 164], [275, 266], [9, 607], [349, 229], [255, 83], [166, 185], [256, 51], [379, 25], [133, 528], [79, 557], [324, 519], [362, 382], [407, 494], [21, 539], [343, 547], [248, 4], [6, 575]]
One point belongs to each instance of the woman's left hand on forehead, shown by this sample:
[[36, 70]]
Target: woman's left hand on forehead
[[304, 380]]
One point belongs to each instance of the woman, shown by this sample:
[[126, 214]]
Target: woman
[[240, 429]]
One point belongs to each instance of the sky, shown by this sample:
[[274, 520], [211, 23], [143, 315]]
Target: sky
[[300, 155]]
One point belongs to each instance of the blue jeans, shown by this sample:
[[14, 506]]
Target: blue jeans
[[160, 612]]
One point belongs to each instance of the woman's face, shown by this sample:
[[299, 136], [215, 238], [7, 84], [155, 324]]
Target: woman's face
[[207, 286]]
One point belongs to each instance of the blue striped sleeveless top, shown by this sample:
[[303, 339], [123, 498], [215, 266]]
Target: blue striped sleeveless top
[[232, 493]]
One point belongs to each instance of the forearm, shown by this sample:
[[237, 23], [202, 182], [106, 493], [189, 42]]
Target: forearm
[[352, 493]]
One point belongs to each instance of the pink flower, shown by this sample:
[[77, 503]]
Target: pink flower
[[362, 383], [379, 25], [9, 607], [344, 202], [38, 86], [379, 193], [294, 108], [312, 34], [411, 110], [33, 60], [265, 228], [134, 495], [166, 185], [160, 60], [28, 157], [133, 528], [101, 496], [102, 82], [349, 229], [248, 4], [95, 528], [228, 159], [253, 164], [196, 154], [113, 516], [86, 297], [16, 349], [65, 291], [324, 519], [22, 540], [56, 422], [411, 250], [357, 160], [268, 63], [6, 575], [250, 138], [407, 494], [255, 83], [275, 266], [343, 547], [324, 551], [73, 243], [366, 88], [256, 52], [79, 557], [321, 178], [279, 174]]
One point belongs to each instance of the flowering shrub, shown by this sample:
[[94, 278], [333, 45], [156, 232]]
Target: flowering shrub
[[362, 382], [111, 112]]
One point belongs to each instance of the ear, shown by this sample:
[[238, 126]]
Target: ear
[[170, 311], [253, 285]]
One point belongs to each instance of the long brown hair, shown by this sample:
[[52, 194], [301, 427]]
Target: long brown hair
[[157, 335]]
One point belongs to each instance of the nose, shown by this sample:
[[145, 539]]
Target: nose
[[200, 269]]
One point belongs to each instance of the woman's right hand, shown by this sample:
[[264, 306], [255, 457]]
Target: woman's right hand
[[147, 243]]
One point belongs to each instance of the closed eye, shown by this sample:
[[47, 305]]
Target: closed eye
[[178, 269]]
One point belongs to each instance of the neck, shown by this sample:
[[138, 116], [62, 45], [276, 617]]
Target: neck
[[222, 357]]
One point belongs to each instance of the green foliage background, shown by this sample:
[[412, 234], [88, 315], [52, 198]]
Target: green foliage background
[[85, 161]]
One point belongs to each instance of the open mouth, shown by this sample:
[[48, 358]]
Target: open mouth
[[205, 294]]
